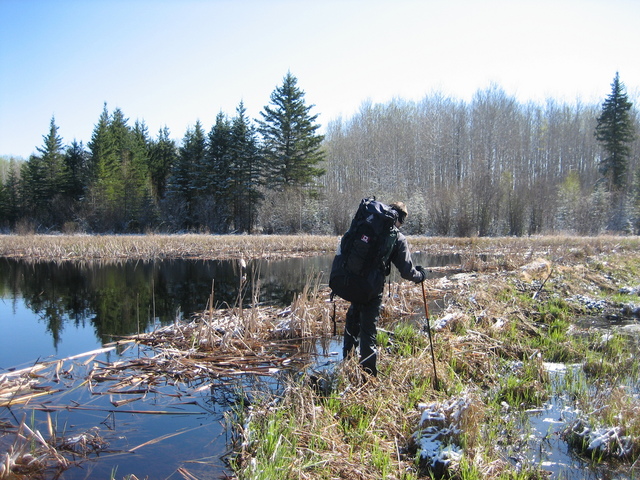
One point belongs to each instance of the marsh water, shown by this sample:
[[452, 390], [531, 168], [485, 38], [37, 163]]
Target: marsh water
[[54, 310]]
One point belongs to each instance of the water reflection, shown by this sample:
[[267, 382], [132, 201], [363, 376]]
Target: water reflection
[[108, 300]]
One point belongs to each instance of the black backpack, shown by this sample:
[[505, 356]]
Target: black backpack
[[362, 260]]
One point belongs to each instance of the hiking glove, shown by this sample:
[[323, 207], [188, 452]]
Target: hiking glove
[[423, 272]]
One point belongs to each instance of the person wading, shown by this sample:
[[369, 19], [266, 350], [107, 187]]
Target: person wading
[[374, 250]]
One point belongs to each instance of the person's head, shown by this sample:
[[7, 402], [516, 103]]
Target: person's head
[[401, 210]]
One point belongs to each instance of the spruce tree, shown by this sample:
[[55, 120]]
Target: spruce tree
[[183, 182], [7, 175], [52, 156], [162, 155], [139, 206], [11, 201], [219, 153], [102, 172], [615, 131], [102, 149], [44, 179], [3, 209], [291, 146], [77, 164], [246, 172]]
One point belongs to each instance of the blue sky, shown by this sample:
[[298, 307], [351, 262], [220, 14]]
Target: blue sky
[[175, 62]]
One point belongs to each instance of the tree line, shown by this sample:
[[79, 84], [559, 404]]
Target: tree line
[[123, 181], [490, 166]]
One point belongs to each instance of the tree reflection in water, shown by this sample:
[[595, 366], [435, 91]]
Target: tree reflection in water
[[126, 297]]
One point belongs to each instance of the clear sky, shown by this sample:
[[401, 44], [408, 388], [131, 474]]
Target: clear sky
[[173, 62]]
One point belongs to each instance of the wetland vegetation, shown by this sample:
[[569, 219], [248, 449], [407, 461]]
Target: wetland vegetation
[[523, 328]]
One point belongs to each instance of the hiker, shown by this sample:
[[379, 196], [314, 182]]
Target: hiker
[[362, 316]]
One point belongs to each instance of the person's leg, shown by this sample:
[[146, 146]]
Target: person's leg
[[369, 315], [351, 330]]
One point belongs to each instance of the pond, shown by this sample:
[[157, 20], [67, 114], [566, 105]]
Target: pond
[[51, 311]]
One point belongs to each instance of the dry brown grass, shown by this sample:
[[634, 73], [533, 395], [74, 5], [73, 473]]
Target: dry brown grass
[[118, 247], [496, 312], [510, 250]]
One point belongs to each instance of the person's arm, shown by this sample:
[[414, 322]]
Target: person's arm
[[401, 258]]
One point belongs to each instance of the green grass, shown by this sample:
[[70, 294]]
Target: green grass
[[407, 340]]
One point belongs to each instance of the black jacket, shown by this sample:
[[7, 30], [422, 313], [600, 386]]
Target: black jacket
[[401, 258]]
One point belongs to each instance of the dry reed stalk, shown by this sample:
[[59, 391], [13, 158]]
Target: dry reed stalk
[[30, 455], [198, 246], [22, 386], [186, 474]]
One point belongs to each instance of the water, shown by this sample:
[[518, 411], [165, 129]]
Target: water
[[54, 310], [51, 311]]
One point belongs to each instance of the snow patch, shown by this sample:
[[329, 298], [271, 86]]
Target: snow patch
[[440, 426]]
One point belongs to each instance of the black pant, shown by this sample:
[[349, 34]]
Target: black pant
[[361, 322]]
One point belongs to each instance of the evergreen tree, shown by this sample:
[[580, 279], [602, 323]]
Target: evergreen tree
[[52, 155], [290, 143], [102, 149], [12, 194], [246, 172], [138, 209], [11, 201], [102, 175], [4, 221], [77, 164], [33, 188], [615, 131], [219, 154], [120, 192], [44, 179], [182, 186], [162, 155]]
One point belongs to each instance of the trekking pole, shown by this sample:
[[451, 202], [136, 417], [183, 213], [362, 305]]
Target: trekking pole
[[433, 357]]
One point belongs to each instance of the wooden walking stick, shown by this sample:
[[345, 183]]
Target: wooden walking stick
[[433, 357]]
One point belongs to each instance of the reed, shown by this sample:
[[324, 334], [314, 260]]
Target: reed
[[145, 247], [479, 253]]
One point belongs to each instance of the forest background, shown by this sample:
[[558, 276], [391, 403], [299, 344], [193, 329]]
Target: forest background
[[491, 166]]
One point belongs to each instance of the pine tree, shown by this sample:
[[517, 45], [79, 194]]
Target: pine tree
[[182, 187], [162, 155], [219, 154], [615, 131], [246, 171], [290, 143], [77, 164]]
